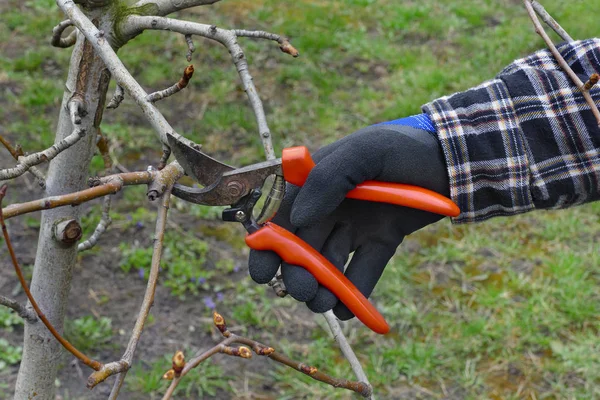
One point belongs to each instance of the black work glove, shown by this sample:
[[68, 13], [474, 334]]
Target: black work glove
[[319, 214]]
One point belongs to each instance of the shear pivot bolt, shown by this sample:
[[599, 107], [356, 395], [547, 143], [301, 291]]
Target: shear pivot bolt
[[240, 216]]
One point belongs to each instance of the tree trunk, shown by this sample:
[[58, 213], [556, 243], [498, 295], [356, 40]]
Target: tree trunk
[[68, 172]]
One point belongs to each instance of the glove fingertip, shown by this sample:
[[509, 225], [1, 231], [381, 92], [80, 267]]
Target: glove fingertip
[[342, 312], [263, 265]]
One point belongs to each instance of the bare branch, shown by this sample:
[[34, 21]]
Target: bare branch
[[104, 186], [260, 349], [551, 22], [284, 44], [561, 61], [117, 98], [57, 39], [105, 220], [159, 234], [188, 72], [19, 308], [16, 153], [104, 223], [346, 349], [25, 163], [65, 343], [191, 47], [165, 7], [165, 157], [135, 24], [116, 67]]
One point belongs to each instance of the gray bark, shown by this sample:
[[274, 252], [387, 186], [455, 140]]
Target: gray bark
[[68, 172]]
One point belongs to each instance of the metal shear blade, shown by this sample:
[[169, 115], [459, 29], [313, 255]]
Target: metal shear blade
[[223, 185]]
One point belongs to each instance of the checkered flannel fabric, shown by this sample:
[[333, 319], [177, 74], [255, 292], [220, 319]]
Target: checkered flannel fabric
[[524, 140]]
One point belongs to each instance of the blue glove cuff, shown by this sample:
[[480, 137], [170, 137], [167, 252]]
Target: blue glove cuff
[[419, 121]]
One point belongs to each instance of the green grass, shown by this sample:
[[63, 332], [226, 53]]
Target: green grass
[[508, 309], [89, 333], [205, 380]]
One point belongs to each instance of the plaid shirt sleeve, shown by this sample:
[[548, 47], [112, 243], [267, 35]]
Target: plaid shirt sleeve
[[525, 140]]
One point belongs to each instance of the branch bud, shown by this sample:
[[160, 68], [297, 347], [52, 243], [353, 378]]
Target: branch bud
[[265, 351], [169, 375], [242, 351], [594, 78], [307, 369], [178, 362], [287, 47], [220, 324]]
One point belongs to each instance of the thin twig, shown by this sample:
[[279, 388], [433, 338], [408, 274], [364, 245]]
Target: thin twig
[[551, 22], [117, 98], [136, 23], [165, 157], [25, 163], [65, 343], [105, 220], [19, 308], [188, 72], [561, 61], [57, 39], [284, 44], [191, 47], [102, 226], [159, 234], [16, 153], [361, 388]]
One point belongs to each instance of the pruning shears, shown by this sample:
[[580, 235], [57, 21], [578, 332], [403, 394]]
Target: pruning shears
[[240, 188]]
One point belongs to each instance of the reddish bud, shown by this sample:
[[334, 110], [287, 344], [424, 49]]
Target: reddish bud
[[307, 369]]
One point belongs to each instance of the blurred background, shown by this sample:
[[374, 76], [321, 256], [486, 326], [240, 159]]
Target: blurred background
[[508, 309]]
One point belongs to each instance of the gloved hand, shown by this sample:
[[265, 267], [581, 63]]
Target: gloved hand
[[319, 214]]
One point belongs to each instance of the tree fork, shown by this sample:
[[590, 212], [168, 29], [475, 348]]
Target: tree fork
[[51, 282]]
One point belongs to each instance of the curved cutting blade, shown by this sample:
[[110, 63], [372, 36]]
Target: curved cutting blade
[[203, 168]]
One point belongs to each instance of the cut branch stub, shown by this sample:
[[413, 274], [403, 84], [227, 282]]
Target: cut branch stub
[[68, 232]]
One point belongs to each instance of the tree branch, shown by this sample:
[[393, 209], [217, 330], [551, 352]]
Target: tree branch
[[105, 220], [165, 7], [551, 22], [65, 343], [104, 186], [19, 308], [159, 234], [16, 153], [181, 84], [346, 349], [176, 374], [561, 61], [116, 67], [135, 24], [57, 39], [117, 97], [25, 163]]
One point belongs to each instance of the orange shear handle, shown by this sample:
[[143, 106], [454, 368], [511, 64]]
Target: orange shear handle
[[297, 164], [294, 250]]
